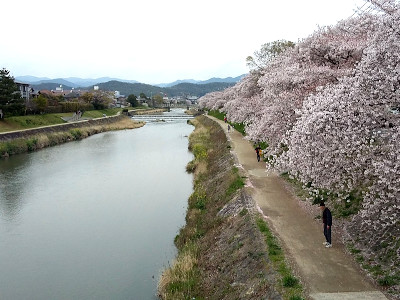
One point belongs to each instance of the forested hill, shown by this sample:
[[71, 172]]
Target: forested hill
[[126, 88], [181, 89], [49, 86]]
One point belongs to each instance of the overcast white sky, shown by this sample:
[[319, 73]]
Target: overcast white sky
[[152, 41]]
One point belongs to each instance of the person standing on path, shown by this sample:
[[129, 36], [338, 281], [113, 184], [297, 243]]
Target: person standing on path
[[229, 128], [327, 220], [258, 152]]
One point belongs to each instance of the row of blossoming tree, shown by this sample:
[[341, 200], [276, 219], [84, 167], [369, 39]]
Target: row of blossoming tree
[[328, 109]]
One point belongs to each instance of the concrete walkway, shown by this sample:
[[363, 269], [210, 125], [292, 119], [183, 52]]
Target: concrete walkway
[[327, 274]]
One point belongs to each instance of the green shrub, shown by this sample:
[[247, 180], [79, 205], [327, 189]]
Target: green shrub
[[353, 250], [274, 249], [191, 166], [263, 145], [359, 258], [198, 199], [290, 281], [31, 144], [200, 151], [234, 186], [217, 114], [296, 297], [14, 147], [388, 280], [243, 212], [75, 106], [76, 134], [239, 127]]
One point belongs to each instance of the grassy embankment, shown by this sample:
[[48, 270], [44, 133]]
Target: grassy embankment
[[225, 250], [33, 121], [48, 138]]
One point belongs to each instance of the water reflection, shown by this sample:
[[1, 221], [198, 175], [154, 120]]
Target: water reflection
[[12, 185]]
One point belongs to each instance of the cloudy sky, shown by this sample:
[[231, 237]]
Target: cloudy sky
[[152, 41]]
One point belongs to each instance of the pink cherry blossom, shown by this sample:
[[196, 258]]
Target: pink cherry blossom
[[329, 110]]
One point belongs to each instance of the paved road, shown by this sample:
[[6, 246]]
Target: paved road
[[327, 274]]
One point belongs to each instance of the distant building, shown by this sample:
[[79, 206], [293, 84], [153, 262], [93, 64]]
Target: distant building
[[192, 99], [67, 94], [71, 94], [25, 90], [141, 101], [120, 101]]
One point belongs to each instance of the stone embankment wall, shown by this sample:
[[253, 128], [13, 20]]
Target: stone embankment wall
[[7, 136]]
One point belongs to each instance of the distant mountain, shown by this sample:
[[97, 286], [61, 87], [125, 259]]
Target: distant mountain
[[90, 82], [198, 90], [214, 79], [59, 81], [177, 82], [49, 86], [126, 87], [30, 79], [74, 82], [181, 89]]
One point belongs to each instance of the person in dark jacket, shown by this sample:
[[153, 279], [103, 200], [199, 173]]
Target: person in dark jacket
[[327, 220], [258, 152]]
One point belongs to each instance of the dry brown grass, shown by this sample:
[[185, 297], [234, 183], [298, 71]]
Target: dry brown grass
[[149, 111], [49, 138], [124, 124], [179, 276]]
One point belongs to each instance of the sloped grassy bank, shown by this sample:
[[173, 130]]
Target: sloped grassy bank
[[225, 250], [34, 139]]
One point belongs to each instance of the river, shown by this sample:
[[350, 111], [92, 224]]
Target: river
[[96, 218]]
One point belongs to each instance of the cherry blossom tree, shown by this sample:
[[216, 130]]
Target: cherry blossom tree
[[329, 110], [347, 136], [267, 52]]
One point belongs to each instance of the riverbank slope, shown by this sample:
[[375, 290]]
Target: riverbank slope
[[223, 252], [22, 141]]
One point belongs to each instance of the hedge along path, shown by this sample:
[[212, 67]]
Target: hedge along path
[[327, 274]]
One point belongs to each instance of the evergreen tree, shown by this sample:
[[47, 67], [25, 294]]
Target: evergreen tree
[[9, 92], [11, 102], [132, 99]]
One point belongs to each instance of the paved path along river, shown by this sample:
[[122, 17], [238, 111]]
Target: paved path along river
[[328, 274]]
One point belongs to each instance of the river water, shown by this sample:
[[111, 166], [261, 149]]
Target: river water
[[96, 218]]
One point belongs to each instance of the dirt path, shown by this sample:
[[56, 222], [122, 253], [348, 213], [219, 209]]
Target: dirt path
[[327, 274]]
